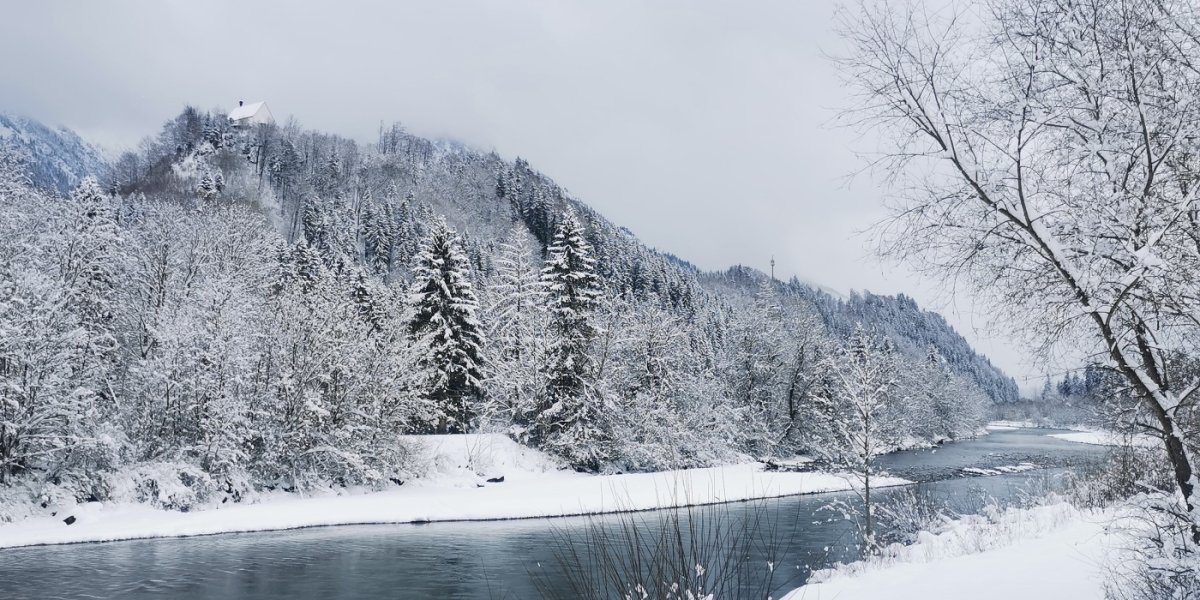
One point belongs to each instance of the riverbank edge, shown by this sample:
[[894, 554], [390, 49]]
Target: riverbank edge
[[541, 497], [1059, 548]]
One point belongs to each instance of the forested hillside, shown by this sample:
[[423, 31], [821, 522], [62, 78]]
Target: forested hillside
[[55, 159], [272, 306]]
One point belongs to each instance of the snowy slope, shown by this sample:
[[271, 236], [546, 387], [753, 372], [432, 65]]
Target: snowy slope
[[1051, 552], [57, 159], [1107, 438]]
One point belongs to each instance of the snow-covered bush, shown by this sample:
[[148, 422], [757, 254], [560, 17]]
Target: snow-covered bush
[[907, 511], [1157, 559], [22, 497], [167, 485], [81, 475], [1128, 471]]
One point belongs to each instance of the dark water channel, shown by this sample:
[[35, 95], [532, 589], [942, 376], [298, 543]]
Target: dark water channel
[[498, 559]]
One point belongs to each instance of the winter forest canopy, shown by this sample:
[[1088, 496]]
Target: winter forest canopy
[[234, 309]]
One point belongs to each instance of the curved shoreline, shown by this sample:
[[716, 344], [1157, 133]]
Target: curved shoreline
[[523, 497]]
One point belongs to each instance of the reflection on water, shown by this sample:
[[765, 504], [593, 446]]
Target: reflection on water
[[488, 560]]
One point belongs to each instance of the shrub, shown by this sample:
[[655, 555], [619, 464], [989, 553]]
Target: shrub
[[168, 485], [1157, 558], [691, 554]]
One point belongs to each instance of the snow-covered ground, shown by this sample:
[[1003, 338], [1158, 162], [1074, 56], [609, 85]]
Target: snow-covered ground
[[456, 490], [1080, 434], [1001, 470], [1053, 552], [1106, 438], [1010, 425]]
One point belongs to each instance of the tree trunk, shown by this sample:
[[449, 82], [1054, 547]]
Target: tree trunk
[[870, 530], [1182, 466]]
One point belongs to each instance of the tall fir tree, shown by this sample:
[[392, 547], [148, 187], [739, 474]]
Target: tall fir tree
[[445, 328], [571, 421]]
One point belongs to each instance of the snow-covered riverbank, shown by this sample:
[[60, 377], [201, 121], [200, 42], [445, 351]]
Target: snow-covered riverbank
[[458, 490], [1107, 438], [1081, 434], [1048, 552]]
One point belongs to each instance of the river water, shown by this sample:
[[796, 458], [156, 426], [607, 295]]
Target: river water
[[505, 559]]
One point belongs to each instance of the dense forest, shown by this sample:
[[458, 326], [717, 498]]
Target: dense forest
[[229, 309]]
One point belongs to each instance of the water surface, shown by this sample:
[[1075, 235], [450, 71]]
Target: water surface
[[502, 559]]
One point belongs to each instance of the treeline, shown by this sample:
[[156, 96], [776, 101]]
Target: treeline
[[271, 308]]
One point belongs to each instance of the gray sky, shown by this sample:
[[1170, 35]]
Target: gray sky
[[705, 127]]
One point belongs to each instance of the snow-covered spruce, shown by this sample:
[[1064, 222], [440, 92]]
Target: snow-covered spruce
[[570, 419], [448, 337]]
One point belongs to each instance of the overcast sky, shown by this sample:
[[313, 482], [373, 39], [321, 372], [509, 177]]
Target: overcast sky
[[708, 128]]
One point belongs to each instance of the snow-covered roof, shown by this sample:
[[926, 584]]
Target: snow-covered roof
[[245, 111]]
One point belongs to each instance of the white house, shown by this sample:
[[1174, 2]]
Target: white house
[[254, 113]]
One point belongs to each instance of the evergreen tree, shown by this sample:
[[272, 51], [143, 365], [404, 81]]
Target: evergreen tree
[[446, 330], [379, 232], [570, 421], [206, 189]]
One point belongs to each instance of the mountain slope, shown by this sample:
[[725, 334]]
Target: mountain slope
[[56, 159], [375, 202]]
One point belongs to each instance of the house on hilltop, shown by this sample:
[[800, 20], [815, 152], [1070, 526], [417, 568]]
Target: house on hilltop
[[246, 115]]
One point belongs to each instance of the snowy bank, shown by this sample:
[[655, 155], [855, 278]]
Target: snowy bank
[[1052, 552], [1001, 470], [1107, 438], [457, 490], [1008, 425]]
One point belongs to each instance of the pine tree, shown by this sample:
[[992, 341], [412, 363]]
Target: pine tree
[[446, 330], [379, 232], [206, 189], [364, 294], [570, 421]]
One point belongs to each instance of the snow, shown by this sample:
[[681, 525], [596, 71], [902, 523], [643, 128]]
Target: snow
[[1008, 425], [1049, 552], [455, 490], [1011, 425], [1018, 468], [1106, 438]]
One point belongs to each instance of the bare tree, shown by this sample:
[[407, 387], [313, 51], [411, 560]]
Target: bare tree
[[861, 410], [1045, 152]]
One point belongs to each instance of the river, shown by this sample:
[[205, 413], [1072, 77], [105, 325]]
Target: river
[[502, 559]]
